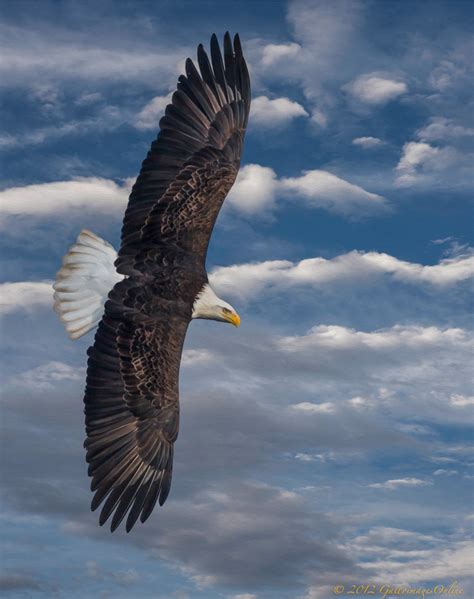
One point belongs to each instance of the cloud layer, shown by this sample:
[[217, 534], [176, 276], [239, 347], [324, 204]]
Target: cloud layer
[[249, 280], [257, 188]]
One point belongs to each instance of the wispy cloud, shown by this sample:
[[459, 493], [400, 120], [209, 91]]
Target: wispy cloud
[[47, 375], [325, 32], [400, 483], [444, 472], [236, 515], [441, 128], [106, 118], [66, 56], [412, 557]]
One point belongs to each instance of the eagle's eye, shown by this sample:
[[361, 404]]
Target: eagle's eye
[[226, 311]]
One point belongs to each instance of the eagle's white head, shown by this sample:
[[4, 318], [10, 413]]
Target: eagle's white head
[[208, 305]]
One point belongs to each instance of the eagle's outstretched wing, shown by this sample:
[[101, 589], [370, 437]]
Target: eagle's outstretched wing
[[131, 398], [192, 164], [131, 402]]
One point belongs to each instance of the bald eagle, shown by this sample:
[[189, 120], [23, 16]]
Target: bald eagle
[[154, 286]]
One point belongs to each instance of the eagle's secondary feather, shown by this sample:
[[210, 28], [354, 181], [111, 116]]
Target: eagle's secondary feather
[[131, 397]]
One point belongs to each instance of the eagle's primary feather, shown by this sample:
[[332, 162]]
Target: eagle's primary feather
[[131, 397]]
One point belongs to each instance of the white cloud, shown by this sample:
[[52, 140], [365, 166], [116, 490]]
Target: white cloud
[[367, 142], [149, 116], [443, 128], [254, 190], [25, 296], [461, 401], [388, 536], [324, 190], [397, 337], [89, 194], [248, 280], [401, 483], [446, 272], [443, 472], [257, 188], [274, 53], [269, 113], [372, 88], [415, 154], [251, 279], [326, 407], [419, 161], [308, 457]]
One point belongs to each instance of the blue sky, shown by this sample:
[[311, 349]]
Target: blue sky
[[328, 440]]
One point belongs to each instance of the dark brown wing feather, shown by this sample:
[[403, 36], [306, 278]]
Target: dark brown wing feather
[[131, 401], [131, 398], [193, 162]]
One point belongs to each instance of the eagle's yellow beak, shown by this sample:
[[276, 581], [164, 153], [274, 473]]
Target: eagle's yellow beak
[[234, 319]]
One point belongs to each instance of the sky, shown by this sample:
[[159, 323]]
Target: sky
[[328, 439]]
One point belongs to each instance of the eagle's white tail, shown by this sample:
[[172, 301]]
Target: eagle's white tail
[[83, 283]]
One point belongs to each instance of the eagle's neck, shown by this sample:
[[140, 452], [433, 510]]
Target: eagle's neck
[[205, 301], [208, 305]]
